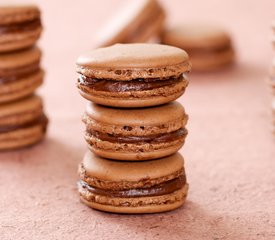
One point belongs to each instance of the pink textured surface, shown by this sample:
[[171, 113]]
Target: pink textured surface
[[230, 153]]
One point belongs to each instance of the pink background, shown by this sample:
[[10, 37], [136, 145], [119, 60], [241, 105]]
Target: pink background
[[230, 154]]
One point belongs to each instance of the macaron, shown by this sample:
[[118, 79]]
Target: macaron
[[20, 26], [20, 74], [133, 75], [135, 134], [136, 21], [22, 123], [127, 187], [208, 46]]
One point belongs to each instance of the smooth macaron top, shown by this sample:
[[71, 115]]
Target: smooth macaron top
[[19, 59], [136, 117], [17, 13], [116, 171], [21, 111], [130, 61], [129, 17], [196, 35]]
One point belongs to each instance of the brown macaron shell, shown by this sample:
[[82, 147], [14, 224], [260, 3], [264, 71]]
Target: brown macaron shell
[[133, 75], [20, 26], [22, 123], [139, 187], [209, 47], [135, 134], [20, 74], [138, 21]]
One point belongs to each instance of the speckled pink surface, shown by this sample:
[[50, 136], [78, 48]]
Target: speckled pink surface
[[230, 153]]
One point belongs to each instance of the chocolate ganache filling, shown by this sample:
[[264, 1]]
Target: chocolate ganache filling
[[157, 190], [20, 27], [158, 138], [43, 120], [140, 84]]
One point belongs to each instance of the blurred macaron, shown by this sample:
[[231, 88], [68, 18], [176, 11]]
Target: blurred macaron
[[209, 47], [137, 21]]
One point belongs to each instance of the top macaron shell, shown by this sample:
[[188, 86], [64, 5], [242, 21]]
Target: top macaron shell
[[168, 114], [133, 75], [137, 21], [123, 62]]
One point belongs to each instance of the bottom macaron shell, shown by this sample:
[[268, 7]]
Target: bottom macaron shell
[[212, 61], [145, 98], [19, 89], [160, 151], [138, 205], [22, 137]]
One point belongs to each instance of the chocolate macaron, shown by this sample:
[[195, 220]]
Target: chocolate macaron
[[209, 47], [133, 75], [20, 26], [137, 21], [133, 187], [22, 123], [20, 74], [135, 134]]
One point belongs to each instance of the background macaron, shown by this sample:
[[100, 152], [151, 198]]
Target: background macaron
[[20, 26], [127, 187], [135, 134], [133, 75], [208, 46], [137, 21], [22, 123], [20, 74]]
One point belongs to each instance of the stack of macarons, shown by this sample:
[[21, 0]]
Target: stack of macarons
[[22, 120], [134, 128]]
